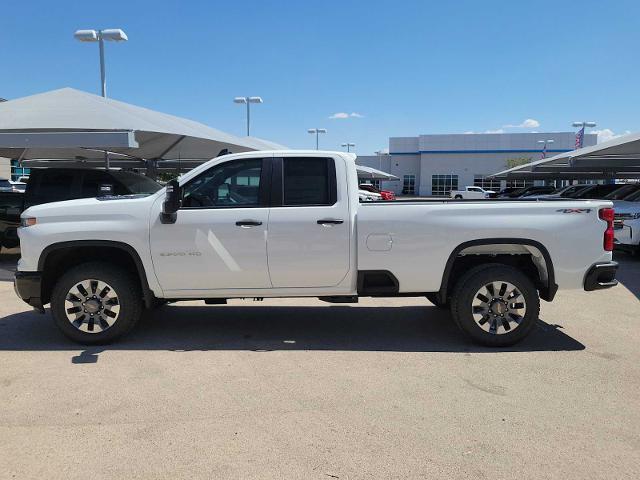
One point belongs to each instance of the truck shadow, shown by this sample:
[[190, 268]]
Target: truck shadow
[[629, 272], [269, 328]]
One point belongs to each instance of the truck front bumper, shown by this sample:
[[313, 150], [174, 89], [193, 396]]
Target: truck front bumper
[[601, 275], [28, 286]]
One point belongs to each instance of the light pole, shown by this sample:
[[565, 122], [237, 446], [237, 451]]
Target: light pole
[[544, 149], [248, 101], [580, 134], [317, 132], [112, 35], [348, 145]]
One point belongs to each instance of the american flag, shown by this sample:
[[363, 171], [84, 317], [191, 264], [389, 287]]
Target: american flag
[[579, 138]]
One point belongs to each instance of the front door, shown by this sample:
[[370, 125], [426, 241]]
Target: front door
[[309, 225], [218, 241]]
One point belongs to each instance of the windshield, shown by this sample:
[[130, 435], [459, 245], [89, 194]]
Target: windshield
[[634, 197], [622, 192], [136, 183]]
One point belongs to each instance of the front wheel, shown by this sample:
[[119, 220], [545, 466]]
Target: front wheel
[[94, 303], [496, 305]]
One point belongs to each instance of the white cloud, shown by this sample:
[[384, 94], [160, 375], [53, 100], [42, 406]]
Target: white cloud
[[343, 115], [527, 123], [608, 134], [498, 130]]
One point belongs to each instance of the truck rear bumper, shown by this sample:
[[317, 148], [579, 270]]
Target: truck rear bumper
[[28, 287], [601, 275]]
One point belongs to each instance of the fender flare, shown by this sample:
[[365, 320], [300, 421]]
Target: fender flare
[[548, 291], [147, 293]]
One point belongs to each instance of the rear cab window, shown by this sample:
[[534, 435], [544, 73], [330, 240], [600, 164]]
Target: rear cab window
[[308, 181], [52, 186]]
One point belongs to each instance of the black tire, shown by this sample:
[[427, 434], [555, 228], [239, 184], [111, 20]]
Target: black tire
[[433, 298], [458, 197], [465, 293], [128, 301]]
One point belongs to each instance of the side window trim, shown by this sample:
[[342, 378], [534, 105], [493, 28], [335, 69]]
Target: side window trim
[[264, 191], [277, 184]]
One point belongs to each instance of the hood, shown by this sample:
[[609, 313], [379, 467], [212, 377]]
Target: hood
[[90, 208]]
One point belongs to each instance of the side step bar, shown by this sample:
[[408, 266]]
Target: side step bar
[[340, 299]]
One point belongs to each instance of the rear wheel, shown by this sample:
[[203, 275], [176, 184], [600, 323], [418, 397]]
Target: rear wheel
[[95, 303], [496, 305], [458, 197]]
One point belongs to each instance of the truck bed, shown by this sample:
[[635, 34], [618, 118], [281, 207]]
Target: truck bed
[[535, 227]]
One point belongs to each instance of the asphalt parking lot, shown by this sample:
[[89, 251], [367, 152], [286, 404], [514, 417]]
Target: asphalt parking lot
[[304, 389]]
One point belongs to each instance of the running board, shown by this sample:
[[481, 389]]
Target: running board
[[340, 299]]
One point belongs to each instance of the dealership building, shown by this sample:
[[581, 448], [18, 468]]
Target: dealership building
[[437, 164]]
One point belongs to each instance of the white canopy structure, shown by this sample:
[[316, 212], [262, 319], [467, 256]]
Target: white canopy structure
[[71, 124], [617, 158], [373, 174]]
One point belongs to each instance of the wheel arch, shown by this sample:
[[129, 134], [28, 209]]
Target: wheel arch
[[58, 256], [545, 274]]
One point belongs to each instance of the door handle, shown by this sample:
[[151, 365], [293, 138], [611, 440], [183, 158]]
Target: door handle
[[330, 221], [248, 223]]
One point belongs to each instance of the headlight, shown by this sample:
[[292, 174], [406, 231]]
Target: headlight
[[28, 221]]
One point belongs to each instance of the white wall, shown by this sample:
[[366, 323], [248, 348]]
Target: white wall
[[5, 168], [468, 155]]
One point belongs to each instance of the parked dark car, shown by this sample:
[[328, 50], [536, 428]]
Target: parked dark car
[[596, 192], [623, 192], [523, 192], [505, 192], [5, 185], [563, 192], [57, 184]]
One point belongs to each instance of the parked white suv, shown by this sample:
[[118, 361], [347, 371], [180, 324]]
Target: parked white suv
[[474, 193]]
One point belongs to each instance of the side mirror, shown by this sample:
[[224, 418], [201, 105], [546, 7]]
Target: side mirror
[[172, 202]]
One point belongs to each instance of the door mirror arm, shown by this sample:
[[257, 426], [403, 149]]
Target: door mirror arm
[[172, 202]]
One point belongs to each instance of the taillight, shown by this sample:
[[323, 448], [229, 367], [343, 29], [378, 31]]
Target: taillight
[[607, 214]]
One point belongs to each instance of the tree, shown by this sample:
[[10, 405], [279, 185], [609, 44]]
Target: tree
[[516, 162]]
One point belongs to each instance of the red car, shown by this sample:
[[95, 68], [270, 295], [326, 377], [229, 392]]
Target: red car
[[386, 194]]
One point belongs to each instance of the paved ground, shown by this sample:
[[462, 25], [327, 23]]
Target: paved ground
[[302, 389]]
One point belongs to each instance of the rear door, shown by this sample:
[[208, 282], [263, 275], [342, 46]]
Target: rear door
[[309, 224]]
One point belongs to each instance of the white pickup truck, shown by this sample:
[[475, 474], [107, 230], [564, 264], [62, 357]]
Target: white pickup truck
[[471, 193], [289, 224]]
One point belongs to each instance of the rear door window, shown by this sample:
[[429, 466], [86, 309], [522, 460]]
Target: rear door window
[[55, 186], [309, 181]]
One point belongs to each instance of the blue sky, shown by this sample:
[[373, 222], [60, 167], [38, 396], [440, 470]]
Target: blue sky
[[404, 67]]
